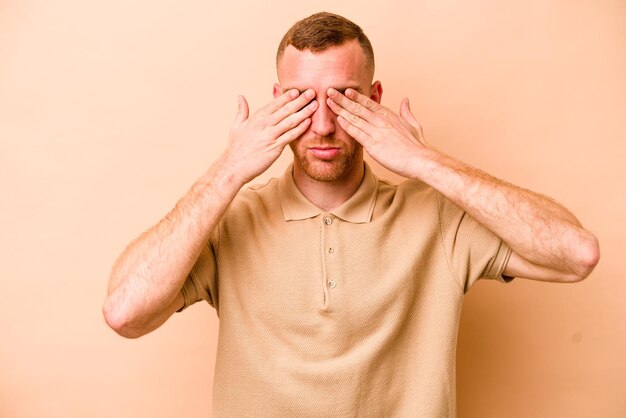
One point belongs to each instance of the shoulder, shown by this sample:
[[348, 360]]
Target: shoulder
[[409, 201], [416, 193], [259, 192], [258, 200]]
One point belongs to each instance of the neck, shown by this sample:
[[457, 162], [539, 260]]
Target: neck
[[328, 195]]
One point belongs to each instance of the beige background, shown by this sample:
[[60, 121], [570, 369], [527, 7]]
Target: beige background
[[109, 111]]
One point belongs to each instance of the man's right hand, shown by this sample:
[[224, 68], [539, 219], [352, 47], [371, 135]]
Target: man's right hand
[[256, 142]]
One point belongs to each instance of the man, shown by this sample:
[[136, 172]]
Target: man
[[338, 294]]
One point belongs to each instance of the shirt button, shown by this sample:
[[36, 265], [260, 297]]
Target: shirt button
[[332, 284], [328, 221]]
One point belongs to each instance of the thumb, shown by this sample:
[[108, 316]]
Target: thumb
[[242, 110], [407, 115]]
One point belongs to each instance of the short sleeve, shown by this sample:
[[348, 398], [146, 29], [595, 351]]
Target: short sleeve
[[473, 252], [201, 281]]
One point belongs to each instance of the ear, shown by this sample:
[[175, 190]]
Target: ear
[[377, 91], [277, 90]]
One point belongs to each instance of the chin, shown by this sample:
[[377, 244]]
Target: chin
[[328, 171]]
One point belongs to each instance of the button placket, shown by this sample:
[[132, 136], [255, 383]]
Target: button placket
[[327, 250]]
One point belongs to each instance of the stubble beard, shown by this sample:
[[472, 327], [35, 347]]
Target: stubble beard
[[328, 170]]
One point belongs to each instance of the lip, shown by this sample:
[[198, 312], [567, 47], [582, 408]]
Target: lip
[[324, 153]]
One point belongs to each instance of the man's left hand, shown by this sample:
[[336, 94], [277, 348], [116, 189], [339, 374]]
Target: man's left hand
[[548, 242], [394, 141]]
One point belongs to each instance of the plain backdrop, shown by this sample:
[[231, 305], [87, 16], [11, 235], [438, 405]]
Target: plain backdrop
[[110, 110]]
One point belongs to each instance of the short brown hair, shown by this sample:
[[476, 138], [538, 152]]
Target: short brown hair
[[323, 30]]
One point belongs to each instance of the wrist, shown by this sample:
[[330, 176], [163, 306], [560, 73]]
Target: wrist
[[216, 186], [423, 164], [225, 175]]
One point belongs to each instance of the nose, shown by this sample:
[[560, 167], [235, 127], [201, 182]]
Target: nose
[[323, 119]]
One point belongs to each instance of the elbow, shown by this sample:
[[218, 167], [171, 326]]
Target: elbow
[[119, 320], [588, 256]]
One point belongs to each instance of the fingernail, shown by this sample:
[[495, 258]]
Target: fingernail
[[332, 92], [310, 93], [293, 93]]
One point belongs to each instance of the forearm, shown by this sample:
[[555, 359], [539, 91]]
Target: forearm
[[536, 228], [145, 284], [148, 276], [548, 242]]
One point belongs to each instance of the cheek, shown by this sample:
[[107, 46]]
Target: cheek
[[297, 146]]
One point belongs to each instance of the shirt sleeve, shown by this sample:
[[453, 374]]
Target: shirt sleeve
[[201, 281], [473, 252]]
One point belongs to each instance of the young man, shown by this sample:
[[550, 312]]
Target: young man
[[338, 294]]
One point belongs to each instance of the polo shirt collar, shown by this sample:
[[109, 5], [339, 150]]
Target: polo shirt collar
[[357, 209]]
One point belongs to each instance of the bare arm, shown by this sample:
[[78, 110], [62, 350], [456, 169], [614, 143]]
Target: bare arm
[[146, 280], [548, 242], [145, 283]]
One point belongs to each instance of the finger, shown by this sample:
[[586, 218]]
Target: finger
[[407, 115], [403, 116], [293, 106], [363, 100], [280, 101], [242, 110], [351, 106], [294, 133], [354, 131], [294, 120], [352, 118]]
